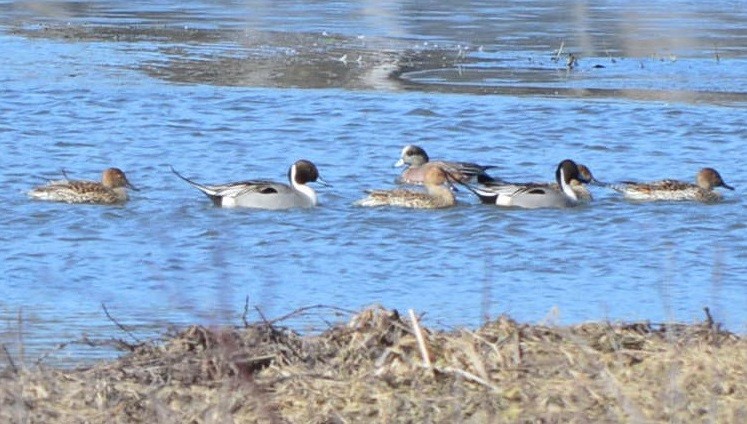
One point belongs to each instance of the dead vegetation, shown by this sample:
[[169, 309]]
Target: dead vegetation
[[383, 367]]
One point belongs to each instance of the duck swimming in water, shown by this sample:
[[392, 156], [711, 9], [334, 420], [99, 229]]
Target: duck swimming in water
[[263, 194], [533, 195], [439, 194], [418, 163], [673, 190], [112, 190]]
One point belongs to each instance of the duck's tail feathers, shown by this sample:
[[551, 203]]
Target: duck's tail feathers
[[484, 197], [203, 188], [484, 178]]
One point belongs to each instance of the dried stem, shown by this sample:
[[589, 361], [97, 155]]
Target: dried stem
[[421, 340]]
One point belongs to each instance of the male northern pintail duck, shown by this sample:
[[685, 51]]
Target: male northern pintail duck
[[579, 185], [533, 195], [439, 194], [418, 163], [262, 194], [111, 190], [707, 179]]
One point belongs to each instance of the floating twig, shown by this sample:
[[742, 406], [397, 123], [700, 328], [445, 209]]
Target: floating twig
[[709, 318], [10, 360], [262, 317], [572, 61], [47, 354], [560, 51], [246, 311], [121, 327], [307, 308]]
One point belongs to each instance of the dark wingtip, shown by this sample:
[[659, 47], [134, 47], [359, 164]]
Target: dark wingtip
[[487, 179], [484, 178], [487, 200], [467, 186], [450, 178]]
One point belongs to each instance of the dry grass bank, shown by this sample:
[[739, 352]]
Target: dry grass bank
[[383, 367]]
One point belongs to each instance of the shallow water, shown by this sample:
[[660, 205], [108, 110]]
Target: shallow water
[[221, 92]]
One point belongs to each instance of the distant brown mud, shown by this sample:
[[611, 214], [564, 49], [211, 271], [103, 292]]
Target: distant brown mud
[[306, 60]]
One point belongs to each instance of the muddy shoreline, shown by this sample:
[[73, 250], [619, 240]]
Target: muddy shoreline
[[383, 366], [276, 59]]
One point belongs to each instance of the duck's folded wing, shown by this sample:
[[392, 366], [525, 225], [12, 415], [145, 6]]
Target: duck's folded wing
[[668, 185], [511, 189], [241, 188], [491, 193], [470, 168], [466, 169], [672, 185]]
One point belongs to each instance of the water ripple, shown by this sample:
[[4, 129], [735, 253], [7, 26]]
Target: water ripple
[[169, 257]]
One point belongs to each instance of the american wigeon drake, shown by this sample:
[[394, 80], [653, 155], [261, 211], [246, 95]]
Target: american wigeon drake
[[263, 194], [418, 163], [533, 195], [673, 190], [112, 190], [439, 194]]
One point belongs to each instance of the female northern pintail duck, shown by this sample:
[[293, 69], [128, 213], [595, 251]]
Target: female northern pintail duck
[[532, 195], [417, 162], [111, 190], [707, 179], [262, 194], [438, 195]]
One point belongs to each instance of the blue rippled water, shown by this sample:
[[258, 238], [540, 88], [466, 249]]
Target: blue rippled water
[[169, 258]]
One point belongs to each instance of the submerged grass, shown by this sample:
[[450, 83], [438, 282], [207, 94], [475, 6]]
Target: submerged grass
[[382, 367]]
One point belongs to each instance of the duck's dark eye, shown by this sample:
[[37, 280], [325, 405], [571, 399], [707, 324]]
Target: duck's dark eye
[[268, 190], [536, 191]]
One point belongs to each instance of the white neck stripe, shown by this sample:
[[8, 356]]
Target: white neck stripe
[[567, 189]]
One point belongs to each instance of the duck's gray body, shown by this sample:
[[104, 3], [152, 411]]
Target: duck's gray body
[[262, 194], [524, 196], [531, 195]]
